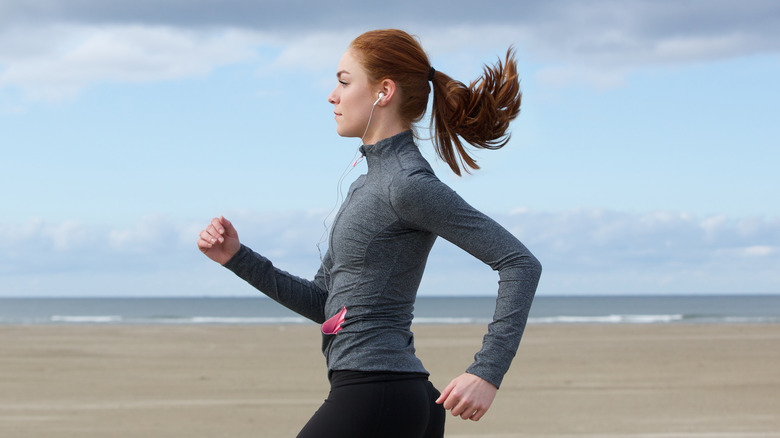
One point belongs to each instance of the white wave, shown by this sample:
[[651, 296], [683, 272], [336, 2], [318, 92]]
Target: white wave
[[99, 319], [243, 320], [607, 319], [450, 320]]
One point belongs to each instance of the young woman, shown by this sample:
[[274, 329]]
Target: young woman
[[364, 291]]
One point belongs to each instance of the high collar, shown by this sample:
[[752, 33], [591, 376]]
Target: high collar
[[386, 146]]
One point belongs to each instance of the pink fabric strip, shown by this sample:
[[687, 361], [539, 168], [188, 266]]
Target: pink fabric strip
[[333, 325]]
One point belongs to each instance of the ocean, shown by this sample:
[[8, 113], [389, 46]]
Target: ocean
[[719, 309]]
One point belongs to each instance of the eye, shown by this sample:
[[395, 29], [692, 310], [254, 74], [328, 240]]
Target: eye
[[343, 83]]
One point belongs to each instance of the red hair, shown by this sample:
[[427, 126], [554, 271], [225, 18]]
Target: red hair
[[478, 113]]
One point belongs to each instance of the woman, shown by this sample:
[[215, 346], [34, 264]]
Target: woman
[[364, 291]]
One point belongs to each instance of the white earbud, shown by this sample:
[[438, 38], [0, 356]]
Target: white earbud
[[381, 95]]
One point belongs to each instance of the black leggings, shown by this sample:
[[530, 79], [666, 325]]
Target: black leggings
[[377, 405]]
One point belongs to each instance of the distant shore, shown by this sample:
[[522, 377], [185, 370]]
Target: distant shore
[[615, 380]]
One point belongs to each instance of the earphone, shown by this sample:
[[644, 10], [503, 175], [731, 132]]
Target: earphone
[[381, 95]]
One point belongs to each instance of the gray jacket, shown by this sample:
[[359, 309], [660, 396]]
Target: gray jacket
[[379, 244]]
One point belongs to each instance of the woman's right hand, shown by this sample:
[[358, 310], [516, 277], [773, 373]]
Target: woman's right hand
[[219, 240]]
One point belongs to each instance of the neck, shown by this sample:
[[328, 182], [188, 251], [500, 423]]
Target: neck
[[374, 138], [382, 127]]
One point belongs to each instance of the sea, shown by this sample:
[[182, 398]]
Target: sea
[[677, 309]]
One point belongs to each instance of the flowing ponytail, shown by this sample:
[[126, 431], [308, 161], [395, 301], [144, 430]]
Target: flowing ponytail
[[479, 113]]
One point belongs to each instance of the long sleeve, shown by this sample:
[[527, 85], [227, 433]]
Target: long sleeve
[[424, 202], [379, 244], [305, 297]]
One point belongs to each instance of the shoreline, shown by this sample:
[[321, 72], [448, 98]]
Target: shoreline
[[568, 380], [633, 309]]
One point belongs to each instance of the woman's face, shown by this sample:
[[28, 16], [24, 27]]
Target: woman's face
[[352, 98]]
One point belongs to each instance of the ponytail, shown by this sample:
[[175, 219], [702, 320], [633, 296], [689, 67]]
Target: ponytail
[[479, 113]]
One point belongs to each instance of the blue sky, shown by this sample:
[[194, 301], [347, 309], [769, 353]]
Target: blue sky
[[644, 159]]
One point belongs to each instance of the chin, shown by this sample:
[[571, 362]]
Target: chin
[[346, 133]]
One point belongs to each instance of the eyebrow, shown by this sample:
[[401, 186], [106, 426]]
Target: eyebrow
[[341, 72]]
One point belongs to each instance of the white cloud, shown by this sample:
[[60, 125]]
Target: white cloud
[[313, 51], [582, 251], [52, 52], [64, 237], [758, 251], [57, 62], [153, 234]]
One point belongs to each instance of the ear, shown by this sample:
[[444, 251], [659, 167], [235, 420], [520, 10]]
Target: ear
[[389, 89]]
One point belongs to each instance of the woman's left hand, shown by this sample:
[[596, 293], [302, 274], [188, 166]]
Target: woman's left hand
[[469, 396]]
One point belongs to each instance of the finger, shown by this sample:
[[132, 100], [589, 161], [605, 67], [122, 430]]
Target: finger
[[217, 224], [204, 245], [477, 415], [224, 223], [467, 408], [445, 394], [208, 235], [468, 413], [214, 234], [211, 232], [452, 401], [230, 230], [462, 409]]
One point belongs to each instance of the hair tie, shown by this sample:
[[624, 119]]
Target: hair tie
[[430, 74]]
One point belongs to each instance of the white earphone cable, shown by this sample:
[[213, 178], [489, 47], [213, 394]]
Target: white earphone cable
[[340, 195]]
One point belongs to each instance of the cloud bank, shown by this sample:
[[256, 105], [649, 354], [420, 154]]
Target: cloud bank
[[583, 252], [52, 49]]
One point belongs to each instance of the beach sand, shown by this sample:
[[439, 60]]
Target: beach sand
[[266, 381]]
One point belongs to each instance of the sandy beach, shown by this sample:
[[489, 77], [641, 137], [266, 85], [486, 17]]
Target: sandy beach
[[265, 381]]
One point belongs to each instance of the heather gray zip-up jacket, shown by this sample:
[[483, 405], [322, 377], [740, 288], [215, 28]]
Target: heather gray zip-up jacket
[[379, 244]]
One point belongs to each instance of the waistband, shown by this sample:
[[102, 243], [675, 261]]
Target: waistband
[[340, 378]]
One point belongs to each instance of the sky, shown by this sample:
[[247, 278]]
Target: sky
[[644, 160]]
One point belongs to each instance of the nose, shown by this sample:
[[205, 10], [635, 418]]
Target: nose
[[332, 98]]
